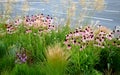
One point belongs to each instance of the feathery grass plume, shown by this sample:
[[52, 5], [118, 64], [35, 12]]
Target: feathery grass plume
[[84, 12], [96, 5], [8, 8], [102, 28], [99, 5], [45, 1], [57, 60], [83, 3], [25, 7], [70, 12]]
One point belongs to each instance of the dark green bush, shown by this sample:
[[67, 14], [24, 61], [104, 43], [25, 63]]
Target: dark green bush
[[109, 59], [83, 62]]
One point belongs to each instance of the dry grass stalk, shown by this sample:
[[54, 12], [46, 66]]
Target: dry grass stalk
[[56, 53]]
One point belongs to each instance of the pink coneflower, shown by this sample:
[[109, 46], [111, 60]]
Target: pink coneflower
[[28, 31], [68, 46], [84, 39], [67, 37], [109, 36], [27, 20], [80, 32], [108, 45], [83, 33], [78, 43], [102, 33], [76, 34], [102, 46], [70, 35], [92, 37], [118, 45], [81, 48], [66, 41], [10, 29], [47, 18], [114, 43], [113, 31], [96, 39], [119, 37], [99, 44], [74, 42], [118, 30], [96, 45], [30, 24], [99, 26]]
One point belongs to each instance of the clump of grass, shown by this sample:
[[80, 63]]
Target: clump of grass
[[24, 69], [56, 60], [83, 62], [6, 63]]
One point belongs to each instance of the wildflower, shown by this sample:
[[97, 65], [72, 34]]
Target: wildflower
[[109, 37], [97, 39], [119, 37], [67, 37], [68, 46], [114, 43], [28, 31], [118, 45], [78, 43], [84, 39], [21, 57], [102, 46], [118, 30], [76, 34], [102, 33], [113, 31], [74, 42], [108, 46], [66, 41], [81, 48], [99, 45]]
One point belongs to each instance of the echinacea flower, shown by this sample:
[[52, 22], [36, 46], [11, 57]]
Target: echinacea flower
[[118, 45], [81, 48], [28, 31], [66, 41], [68, 46], [109, 37], [118, 31], [114, 43], [74, 42]]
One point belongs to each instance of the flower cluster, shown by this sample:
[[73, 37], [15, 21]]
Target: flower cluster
[[10, 28], [116, 32], [21, 57], [81, 37], [40, 22]]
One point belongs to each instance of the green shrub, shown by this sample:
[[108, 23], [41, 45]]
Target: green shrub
[[83, 62], [7, 63], [24, 69], [109, 59]]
